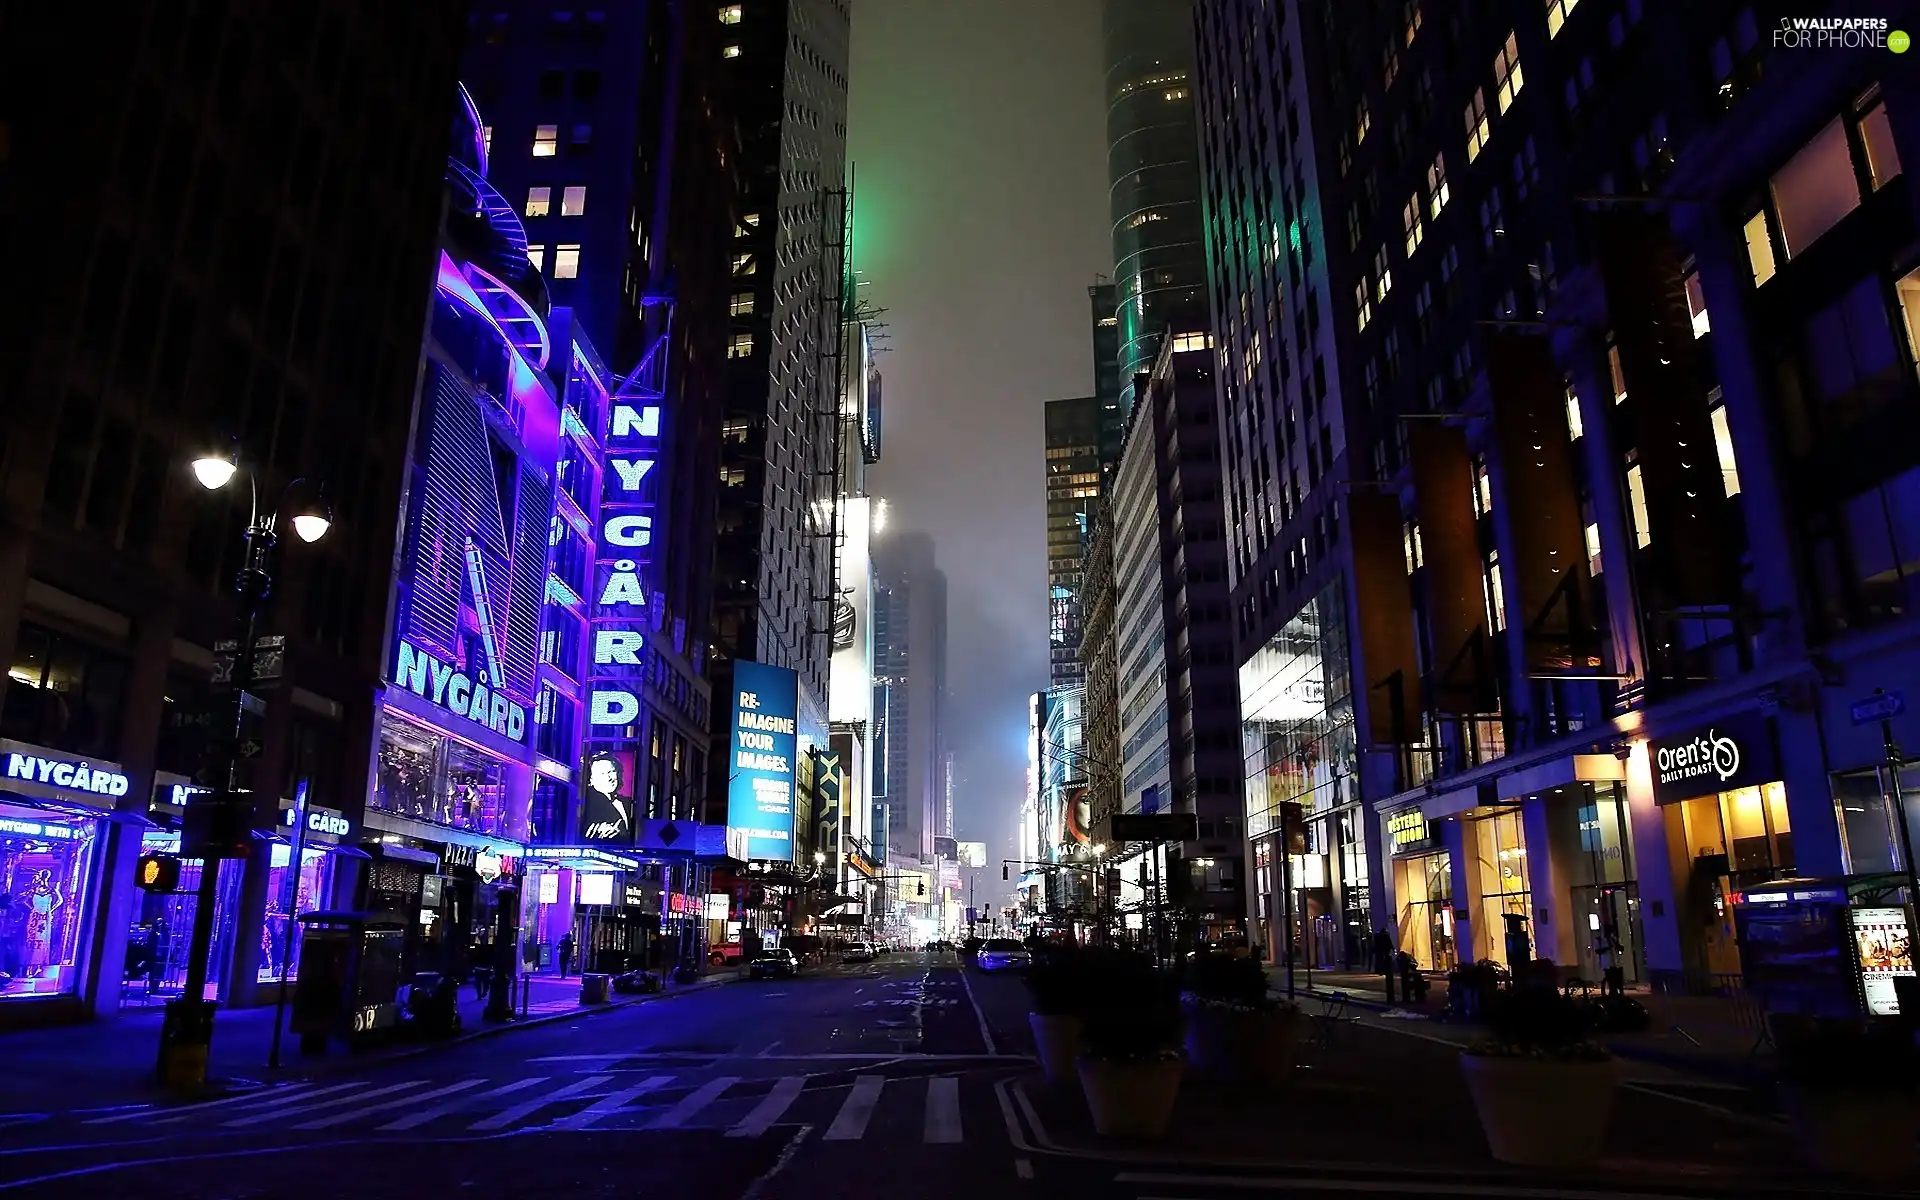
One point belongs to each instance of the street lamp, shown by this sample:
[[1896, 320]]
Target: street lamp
[[187, 1032]]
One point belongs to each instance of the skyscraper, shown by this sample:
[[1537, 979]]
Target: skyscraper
[[1073, 439], [1153, 173], [914, 593], [241, 244], [1104, 298], [608, 133], [786, 62]]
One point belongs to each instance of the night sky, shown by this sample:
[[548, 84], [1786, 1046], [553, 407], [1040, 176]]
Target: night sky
[[978, 146]]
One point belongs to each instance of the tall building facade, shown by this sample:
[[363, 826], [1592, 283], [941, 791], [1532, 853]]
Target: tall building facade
[[786, 72], [1622, 510], [1073, 442], [914, 593], [1104, 298], [1153, 176], [241, 246], [607, 132]]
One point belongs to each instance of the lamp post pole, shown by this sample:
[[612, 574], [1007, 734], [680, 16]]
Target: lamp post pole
[[186, 1034]]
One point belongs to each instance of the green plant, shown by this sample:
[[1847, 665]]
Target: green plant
[[1844, 1055], [1133, 1009], [1227, 980], [1537, 1022]]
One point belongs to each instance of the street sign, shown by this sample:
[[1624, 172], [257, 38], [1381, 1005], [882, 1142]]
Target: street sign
[[1155, 827], [1880, 706]]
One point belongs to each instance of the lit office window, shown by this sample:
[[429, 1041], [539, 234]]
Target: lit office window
[[537, 255], [1437, 191], [1183, 342], [1697, 306], [539, 201], [1557, 13], [1362, 122], [730, 52], [1383, 273], [742, 304], [741, 345], [566, 262], [1363, 302], [730, 14], [1575, 430], [1637, 503], [1416, 553], [546, 140], [1594, 561], [1617, 374], [1723, 446], [743, 264], [1507, 76], [1415, 228], [486, 139], [573, 201], [1479, 125], [1876, 134], [1494, 593], [1759, 235]]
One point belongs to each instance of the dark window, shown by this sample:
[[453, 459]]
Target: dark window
[[553, 85], [72, 449], [586, 84], [189, 714], [64, 694]]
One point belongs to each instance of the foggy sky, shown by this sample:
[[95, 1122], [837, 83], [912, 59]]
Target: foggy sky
[[977, 137]]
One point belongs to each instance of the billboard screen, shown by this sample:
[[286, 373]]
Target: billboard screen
[[973, 854], [766, 704]]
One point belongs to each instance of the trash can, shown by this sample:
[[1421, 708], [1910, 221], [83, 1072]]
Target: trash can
[[349, 978], [595, 988]]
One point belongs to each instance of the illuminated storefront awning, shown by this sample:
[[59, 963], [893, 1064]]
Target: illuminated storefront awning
[[582, 858]]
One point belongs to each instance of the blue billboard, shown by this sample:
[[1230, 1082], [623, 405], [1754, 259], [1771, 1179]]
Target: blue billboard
[[760, 769]]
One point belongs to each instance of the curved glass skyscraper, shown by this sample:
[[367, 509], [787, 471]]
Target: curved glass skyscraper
[[1153, 172]]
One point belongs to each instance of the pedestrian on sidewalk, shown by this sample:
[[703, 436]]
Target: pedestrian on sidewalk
[[566, 953]]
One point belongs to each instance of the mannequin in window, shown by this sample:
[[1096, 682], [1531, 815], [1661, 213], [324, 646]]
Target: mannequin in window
[[42, 901]]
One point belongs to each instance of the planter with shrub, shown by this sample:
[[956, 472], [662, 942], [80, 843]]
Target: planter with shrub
[[1235, 1029], [1849, 1092], [1543, 1092], [1131, 1063], [1060, 987]]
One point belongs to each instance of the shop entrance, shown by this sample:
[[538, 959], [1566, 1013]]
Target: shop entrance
[[1735, 840], [157, 945], [1424, 887], [1500, 868]]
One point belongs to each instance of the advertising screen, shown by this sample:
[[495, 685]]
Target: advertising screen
[[606, 797], [1885, 950], [766, 703]]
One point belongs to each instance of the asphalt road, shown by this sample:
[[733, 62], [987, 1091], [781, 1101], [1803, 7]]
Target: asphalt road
[[754, 1089], [906, 1077]]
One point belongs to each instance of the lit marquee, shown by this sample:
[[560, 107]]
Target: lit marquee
[[620, 601]]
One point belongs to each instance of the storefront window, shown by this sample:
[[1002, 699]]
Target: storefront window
[[430, 777], [315, 879], [46, 875], [1500, 859], [1424, 886], [1869, 839], [1595, 845], [1296, 714], [1734, 839], [157, 946]]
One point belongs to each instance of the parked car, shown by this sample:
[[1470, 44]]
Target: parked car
[[1004, 954], [857, 952], [774, 964]]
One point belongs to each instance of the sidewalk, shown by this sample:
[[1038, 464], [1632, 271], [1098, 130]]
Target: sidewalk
[[109, 1063], [1375, 1097], [1707, 1047]]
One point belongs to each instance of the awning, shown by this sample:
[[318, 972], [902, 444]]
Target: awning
[[398, 853], [67, 808], [426, 831], [580, 858]]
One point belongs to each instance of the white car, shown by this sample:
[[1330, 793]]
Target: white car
[[857, 952], [1003, 954]]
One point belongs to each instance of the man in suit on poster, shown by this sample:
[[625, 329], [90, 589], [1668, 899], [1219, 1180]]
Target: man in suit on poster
[[607, 811]]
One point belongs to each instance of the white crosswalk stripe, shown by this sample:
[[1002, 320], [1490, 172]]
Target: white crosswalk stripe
[[865, 1107], [851, 1123], [677, 1116], [415, 1120], [282, 1113], [771, 1109], [943, 1110], [607, 1106], [355, 1114], [521, 1112]]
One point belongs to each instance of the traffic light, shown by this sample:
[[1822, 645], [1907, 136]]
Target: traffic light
[[1003, 872], [158, 873]]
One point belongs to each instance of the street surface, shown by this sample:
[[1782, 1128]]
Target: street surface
[[906, 1076]]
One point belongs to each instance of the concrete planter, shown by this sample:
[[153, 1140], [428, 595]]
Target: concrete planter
[[1056, 1038], [1542, 1112], [1131, 1097], [1863, 1134], [1254, 1045]]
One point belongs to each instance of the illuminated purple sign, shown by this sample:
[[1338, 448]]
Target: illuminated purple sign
[[620, 620]]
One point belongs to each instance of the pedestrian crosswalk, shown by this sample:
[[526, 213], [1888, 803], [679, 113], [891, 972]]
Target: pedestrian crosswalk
[[868, 1106]]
